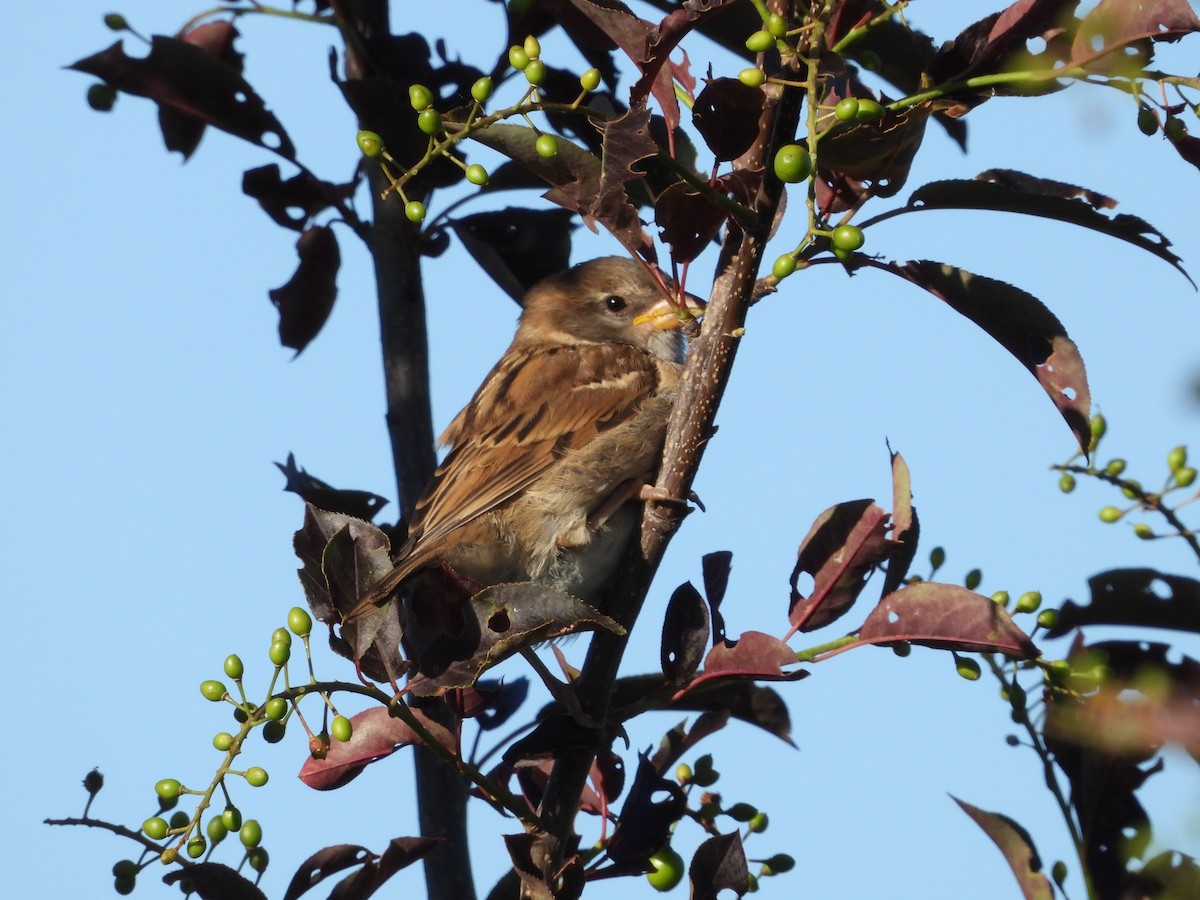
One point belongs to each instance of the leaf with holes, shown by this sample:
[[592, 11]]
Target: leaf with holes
[[1118, 37], [685, 634], [1145, 598], [719, 864], [726, 114]]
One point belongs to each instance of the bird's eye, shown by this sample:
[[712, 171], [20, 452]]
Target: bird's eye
[[614, 303]]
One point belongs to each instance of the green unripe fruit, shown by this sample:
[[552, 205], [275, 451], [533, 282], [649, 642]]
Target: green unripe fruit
[[760, 41], [1098, 425], [420, 97], [116, 22], [793, 164], [217, 831], [281, 636], [847, 109], [155, 828], [168, 856], [518, 58], [868, 109], [1132, 488], [125, 868], [1066, 484], [1029, 601], [300, 621], [776, 25], [124, 886], [369, 143], [784, 266], [196, 847], [870, 60], [848, 238], [250, 833], [546, 146], [1015, 695], [258, 859], [666, 869], [233, 666], [222, 740], [967, 668], [683, 773], [973, 580], [429, 121], [1058, 872], [1177, 458], [256, 776], [758, 823], [167, 788], [239, 715], [780, 863], [1001, 597], [1110, 514], [93, 781], [741, 812], [1147, 121], [212, 690], [179, 819], [477, 175], [1048, 618], [752, 77], [274, 732], [232, 817], [535, 72], [902, 649], [1115, 467], [1185, 476], [532, 48], [937, 557], [279, 653], [1144, 531], [482, 89], [1175, 130], [1059, 671], [590, 80], [101, 97], [705, 775], [414, 211], [275, 709], [340, 729]]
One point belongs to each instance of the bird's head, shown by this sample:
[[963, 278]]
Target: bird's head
[[608, 300]]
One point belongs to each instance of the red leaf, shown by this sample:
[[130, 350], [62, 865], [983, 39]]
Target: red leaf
[[306, 301], [906, 529], [1115, 25], [753, 655], [947, 617], [1017, 846], [376, 734]]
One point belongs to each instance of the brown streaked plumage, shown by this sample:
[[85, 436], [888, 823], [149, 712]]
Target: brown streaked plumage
[[564, 432]]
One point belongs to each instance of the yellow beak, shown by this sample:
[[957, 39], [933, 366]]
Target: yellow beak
[[666, 314]]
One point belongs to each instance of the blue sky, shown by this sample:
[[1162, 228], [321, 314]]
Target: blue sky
[[145, 398]]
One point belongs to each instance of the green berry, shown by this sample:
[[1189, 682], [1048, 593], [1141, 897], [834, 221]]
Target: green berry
[[1098, 425], [752, 77], [212, 690], [683, 773], [232, 817], [275, 709], [1175, 130], [705, 775], [518, 58], [870, 60], [1110, 514], [868, 109], [125, 868], [420, 97], [250, 833], [414, 211], [179, 819], [281, 636], [937, 557], [233, 666], [784, 266], [1185, 476], [167, 788], [590, 80], [124, 886], [155, 828], [1132, 488], [847, 109], [274, 732], [760, 41], [780, 863], [116, 22], [481, 90], [848, 238], [758, 823], [535, 72], [776, 25], [93, 781], [222, 740], [842, 255], [1144, 531], [429, 121], [973, 580], [902, 649], [741, 812], [1066, 484], [370, 143], [258, 859], [793, 164], [967, 668], [1029, 601], [477, 175], [217, 831], [1001, 597], [666, 869], [101, 97], [532, 48], [300, 621], [196, 847], [256, 776], [168, 856], [1048, 618], [279, 653], [1058, 872], [1115, 467], [751, 883], [1177, 458], [341, 729], [1147, 121], [546, 146]]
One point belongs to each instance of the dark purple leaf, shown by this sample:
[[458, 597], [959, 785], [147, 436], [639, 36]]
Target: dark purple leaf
[[738, 697], [182, 76], [998, 43], [716, 567], [753, 655], [215, 881], [182, 131], [1021, 324], [687, 220], [518, 247], [376, 734], [841, 549], [292, 203], [306, 301], [719, 864], [905, 527], [626, 140], [726, 114], [685, 634], [492, 702], [359, 504], [400, 853], [653, 805], [324, 863], [1017, 846], [947, 617], [1145, 598], [527, 852], [871, 158]]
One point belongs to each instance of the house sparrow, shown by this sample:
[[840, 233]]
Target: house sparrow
[[548, 460]]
